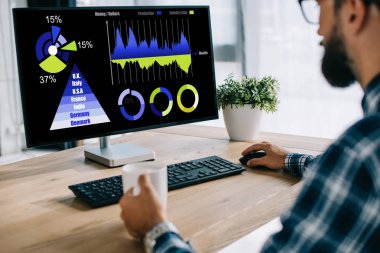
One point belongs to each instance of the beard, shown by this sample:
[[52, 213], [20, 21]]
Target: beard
[[336, 64]]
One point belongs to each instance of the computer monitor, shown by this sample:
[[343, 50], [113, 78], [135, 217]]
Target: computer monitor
[[96, 72]]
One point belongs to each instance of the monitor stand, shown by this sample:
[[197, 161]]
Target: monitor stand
[[117, 154]]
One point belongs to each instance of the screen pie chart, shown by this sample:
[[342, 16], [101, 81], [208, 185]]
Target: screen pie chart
[[53, 50]]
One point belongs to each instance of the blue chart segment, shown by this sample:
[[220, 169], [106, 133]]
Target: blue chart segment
[[78, 106], [149, 50], [122, 109], [147, 54], [52, 50], [143, 49]]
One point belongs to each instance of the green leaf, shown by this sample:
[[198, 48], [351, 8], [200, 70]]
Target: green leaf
[[262, 93]]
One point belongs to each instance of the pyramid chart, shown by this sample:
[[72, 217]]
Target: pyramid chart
[[78, 106]]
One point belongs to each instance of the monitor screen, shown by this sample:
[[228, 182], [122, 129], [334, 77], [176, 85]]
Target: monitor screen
[[90, 72]]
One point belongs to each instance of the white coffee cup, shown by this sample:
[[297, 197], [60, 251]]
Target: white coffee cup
[[156, 172]]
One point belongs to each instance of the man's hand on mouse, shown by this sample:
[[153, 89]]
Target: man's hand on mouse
[[274, 158]]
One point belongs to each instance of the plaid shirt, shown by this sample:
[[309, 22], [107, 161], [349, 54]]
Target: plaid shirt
[[298, 164], [338, 209]]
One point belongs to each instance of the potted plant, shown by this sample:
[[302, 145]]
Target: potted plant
[[244, 101]]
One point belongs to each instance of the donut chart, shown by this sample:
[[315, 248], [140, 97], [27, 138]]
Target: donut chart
[[52, 50], [122, 109], [152, 97], [196, 100], [153, 107]]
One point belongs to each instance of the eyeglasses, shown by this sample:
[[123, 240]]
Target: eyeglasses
[[310, 11]]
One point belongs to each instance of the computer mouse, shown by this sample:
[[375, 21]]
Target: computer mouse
[[251, 155]]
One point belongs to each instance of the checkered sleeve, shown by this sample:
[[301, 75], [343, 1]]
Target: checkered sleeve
[[298, 164], [172, 243]]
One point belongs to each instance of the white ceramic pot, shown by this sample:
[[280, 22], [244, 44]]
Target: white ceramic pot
[[242, 123]]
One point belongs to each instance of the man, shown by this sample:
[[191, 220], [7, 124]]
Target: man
[[338, 209]]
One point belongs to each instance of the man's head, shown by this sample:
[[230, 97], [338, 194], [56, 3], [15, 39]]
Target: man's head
[[348, 27], [336, 66]]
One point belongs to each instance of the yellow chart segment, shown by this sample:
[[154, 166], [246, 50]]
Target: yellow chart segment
[[183, 61], [179, 95], [53, 64], [72, 46]]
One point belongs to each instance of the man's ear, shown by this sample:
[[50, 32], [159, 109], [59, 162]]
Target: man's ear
[[356, 15]]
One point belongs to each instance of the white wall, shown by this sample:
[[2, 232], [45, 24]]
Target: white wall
[[280, 43], [11, 128]]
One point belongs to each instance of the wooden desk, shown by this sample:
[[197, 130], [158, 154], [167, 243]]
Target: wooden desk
[[38, 213]]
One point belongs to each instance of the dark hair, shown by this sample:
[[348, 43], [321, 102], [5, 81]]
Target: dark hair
[[338, 3]]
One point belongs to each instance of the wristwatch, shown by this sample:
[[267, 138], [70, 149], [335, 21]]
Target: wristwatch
[[158, 230]]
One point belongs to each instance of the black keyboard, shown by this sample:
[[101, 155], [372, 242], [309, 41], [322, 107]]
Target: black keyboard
[[200, 170], [100, 192], [109, 190]]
